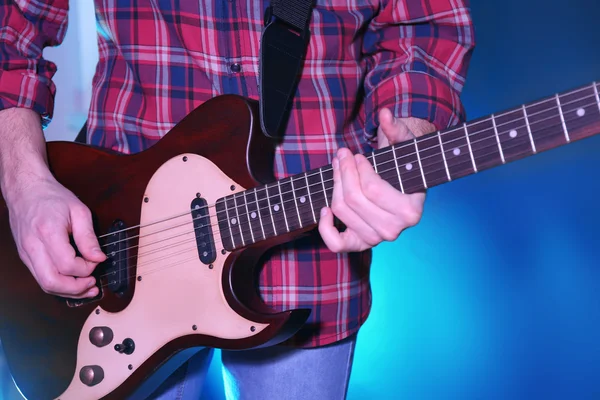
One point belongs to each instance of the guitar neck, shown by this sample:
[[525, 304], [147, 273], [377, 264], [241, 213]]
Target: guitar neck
[[294, 203]]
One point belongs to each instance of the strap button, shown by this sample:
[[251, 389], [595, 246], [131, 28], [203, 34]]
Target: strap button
[[235, 68]]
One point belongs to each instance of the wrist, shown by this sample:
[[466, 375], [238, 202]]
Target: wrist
[[23, 161]]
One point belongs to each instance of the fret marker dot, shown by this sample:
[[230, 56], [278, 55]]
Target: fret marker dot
[[456, 151], [302, 199], [408, 166], [233, 221], [276, 207], [513, 134], [253, 215], [580, 112]]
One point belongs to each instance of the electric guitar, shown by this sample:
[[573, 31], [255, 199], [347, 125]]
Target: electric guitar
[[184, 222]]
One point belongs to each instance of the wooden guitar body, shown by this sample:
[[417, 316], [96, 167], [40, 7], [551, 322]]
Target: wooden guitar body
[[166, 299]]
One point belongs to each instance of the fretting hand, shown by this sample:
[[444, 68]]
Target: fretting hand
[[372, 209]]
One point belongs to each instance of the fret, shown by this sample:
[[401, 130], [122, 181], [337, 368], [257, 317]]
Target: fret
[[312, 207], [431, 158], [408, 168], [470, 149], [242, 222], [276, 209], [484, 144], [248, 217], [387, 162], [562, 119], [327, 175], [580, 109], [596, 94], [545, 124], [420, 166], [267, 221], [513, 134], [444, 156], [529, 130], [282, 204], [258, 230], [302, 198], [397, 168], [290, 207], [315, 188], [322, 174], [498, 139], [230, 210], [456, 152], [224, 227], [374, 162]]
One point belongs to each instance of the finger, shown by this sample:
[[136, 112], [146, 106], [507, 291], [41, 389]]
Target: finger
[[385, 196], [52, 281], [62, 254], [84, 235], [340, 203], [329, 233], [365, 212], [391, 130]]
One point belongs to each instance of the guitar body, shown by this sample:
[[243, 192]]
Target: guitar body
[[169, 300]]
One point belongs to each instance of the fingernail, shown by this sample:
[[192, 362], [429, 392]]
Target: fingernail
[[97, 250], [342, 153], [92, 283], [323, 212], [335, 164]]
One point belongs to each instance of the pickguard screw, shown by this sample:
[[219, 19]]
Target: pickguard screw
[[232, 187], [223, 251], [252, 328], [130, 366], [198, 195], [139, 278], [184, 158], [146, 199], [97, 311], [194, 327], [210, 266]]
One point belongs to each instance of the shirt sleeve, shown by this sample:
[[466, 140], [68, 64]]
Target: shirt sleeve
[[26, 28], [417, 55]]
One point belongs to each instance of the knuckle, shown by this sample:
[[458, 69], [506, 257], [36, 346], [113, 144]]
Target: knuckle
[[47, 283], [43, 227], [412, 217], [352, 199], [390, 234], [79, 210]]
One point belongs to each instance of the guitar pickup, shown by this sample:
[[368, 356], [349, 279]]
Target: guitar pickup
[[117, 270], [203, 231]]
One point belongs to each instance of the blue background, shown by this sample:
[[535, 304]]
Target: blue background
[[496, 293]]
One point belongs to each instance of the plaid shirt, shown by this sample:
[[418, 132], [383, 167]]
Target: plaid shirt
[[160, 59]]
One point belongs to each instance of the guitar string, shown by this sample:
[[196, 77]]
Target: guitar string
[[195, 248], [452, 130], [259, 209]]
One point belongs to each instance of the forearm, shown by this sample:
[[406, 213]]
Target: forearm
[[22, 150]]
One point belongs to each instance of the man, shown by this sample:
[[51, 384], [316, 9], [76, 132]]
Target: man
[[376, 72]]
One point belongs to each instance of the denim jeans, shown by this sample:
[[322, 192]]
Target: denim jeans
[[273, 373]]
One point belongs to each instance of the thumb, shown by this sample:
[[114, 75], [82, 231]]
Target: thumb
[[84, 236], [391, 130]]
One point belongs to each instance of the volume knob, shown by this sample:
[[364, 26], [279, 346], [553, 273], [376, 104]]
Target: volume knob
[[91, 375], [100, 336]]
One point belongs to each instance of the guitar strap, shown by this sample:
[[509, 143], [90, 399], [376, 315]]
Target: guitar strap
[[283, 47], [283, 44]]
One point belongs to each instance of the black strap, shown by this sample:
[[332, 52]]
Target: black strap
[[283, 48]]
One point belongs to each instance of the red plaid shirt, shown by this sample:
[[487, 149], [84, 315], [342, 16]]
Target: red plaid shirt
[[162, 58]]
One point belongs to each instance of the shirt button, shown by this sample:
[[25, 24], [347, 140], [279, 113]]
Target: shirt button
[[235, 68]]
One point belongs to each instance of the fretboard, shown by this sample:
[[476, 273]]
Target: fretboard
[[294, 203]]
